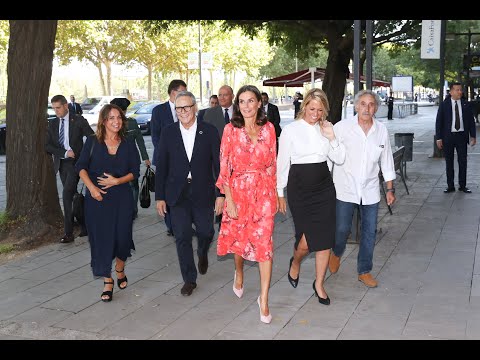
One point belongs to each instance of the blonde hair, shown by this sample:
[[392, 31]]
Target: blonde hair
[[314, 94]]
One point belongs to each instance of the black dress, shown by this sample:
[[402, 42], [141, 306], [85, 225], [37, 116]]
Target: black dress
[[312, 201], [109, 222]]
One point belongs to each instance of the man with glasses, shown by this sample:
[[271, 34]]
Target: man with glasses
[[185, 181], [163, 115]]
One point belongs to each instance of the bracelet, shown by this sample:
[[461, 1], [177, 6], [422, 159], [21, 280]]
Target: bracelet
[[391, 190]]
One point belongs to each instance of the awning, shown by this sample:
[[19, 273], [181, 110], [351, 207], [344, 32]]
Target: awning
[[298, 78]]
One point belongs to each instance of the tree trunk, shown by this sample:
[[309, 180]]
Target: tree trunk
[[102, 82], [339, 55], [149, 91], [108, 66], [31, 182]]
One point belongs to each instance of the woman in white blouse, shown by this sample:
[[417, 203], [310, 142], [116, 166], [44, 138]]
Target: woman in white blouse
[[305, 147]]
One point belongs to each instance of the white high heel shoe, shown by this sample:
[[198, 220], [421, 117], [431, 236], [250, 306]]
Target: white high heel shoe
[[265, 319], [238, 292]]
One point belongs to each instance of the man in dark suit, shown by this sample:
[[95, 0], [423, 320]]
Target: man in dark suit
[[74, 107], [390, 100], [188, 168], [455, 128], [273, 115], [219, 116], [211, 103], [162, 116], [65, 142]]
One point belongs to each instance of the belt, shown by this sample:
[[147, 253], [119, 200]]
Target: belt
[[189, 180]]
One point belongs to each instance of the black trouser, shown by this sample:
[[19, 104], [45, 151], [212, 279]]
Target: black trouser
[[390, 113], [182, 215], [69, 178], [456, 141]]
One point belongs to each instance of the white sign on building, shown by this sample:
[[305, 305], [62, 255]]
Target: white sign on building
[[430, 39]]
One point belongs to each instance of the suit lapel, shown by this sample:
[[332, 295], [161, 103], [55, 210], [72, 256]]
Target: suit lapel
[[199, 136], [70, 128], [56, 129], [179, 141]]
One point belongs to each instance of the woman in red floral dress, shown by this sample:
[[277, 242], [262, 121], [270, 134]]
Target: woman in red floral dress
[[248, 180]]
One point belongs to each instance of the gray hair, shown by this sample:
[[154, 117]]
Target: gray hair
[[187, 94], [361, 93]]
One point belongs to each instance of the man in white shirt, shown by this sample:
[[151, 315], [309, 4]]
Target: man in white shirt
[[185, 181], [367, 146]]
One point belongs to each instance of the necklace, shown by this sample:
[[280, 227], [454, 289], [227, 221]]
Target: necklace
[[113, 147]]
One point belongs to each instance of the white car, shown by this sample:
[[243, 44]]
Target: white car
[[92, 115]]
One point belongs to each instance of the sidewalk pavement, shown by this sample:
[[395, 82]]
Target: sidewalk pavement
[[425, 261]]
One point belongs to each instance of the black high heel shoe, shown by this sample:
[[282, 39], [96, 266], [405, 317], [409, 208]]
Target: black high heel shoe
[[320, 300], [292, 281], [122, 280], [108, 293]]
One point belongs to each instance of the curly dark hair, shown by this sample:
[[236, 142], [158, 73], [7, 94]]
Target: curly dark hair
[[237, 118]]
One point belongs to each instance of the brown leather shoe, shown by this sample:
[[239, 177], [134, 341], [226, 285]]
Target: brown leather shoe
[[187, 288], [203, 264], [333, 263], [66, 239], [368, 280]]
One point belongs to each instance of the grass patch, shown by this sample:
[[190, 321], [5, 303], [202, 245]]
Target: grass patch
[[6, 248], [3, 220]]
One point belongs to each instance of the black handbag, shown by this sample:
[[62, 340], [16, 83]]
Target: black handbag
[[150, 174], [144, 192], [79, 205]]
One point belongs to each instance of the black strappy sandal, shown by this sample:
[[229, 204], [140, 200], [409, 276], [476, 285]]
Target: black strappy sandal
[[108, 293], [122, 280]]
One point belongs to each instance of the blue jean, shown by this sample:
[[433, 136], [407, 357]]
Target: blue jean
[[368, 216]]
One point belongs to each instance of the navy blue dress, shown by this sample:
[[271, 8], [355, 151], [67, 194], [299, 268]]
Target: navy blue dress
[[109, 222]]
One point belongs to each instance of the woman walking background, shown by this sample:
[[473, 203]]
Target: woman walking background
[[305, 146], [248, 179], [106, 171]]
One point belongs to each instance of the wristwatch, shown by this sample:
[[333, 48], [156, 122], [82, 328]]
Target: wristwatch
[[391, 190]]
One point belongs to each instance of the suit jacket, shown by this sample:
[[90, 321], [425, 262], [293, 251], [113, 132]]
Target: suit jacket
[[201, 114], [273, 115], [78, 127], [75, 108], [443, 123], [216, 117], [173, 165], [161, 117]]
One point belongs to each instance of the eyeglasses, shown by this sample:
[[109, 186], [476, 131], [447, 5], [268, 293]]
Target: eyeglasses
[[187, 108]]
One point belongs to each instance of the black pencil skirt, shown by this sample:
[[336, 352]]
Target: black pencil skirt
[[312, 198]]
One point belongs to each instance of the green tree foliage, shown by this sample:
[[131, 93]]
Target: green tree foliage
[[101, 42], [304, 37]]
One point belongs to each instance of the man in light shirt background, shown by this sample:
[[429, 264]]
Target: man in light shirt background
[[368, 150]]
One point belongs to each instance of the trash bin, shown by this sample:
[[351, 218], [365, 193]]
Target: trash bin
[[3, 138], [405, 139]]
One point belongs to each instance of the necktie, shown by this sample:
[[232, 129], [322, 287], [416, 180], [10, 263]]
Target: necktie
[[61, 136], [457, 116], [227, 118]]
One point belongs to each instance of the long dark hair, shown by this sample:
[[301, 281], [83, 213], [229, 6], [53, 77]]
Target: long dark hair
[[237, 118]]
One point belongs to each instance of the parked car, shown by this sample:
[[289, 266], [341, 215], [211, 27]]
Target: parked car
[[89, 103], [92, 115], [143, 116], [134, 106], [50, 112], [3, 129]]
